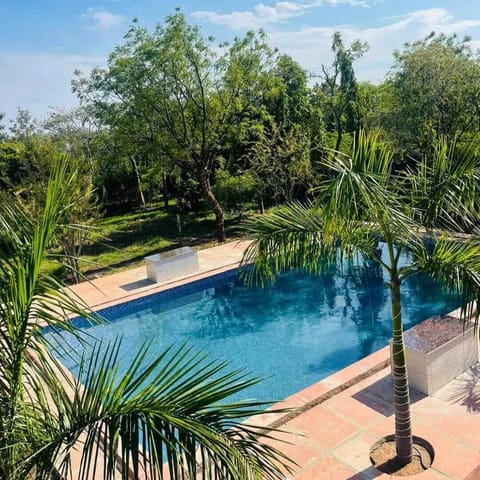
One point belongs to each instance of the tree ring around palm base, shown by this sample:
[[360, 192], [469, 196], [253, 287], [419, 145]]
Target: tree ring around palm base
[[384, 458]]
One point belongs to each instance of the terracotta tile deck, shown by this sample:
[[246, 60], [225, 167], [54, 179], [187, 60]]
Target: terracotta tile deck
[[346, 425], [338, 419]]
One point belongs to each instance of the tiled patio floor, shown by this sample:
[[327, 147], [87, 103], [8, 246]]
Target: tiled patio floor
[[331, 441], [331, 436]]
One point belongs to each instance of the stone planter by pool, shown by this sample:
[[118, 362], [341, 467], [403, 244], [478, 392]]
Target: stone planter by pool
[[438, 350], [174, 263]]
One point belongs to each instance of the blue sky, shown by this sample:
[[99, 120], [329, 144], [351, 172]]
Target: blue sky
[[43, 41]]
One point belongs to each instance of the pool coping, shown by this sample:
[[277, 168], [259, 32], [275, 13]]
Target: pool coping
[[321, 391], [157, 288]]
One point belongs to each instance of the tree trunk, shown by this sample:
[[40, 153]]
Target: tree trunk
[[164, 190], [403, 424], [72, 244], [216, 207], [262, 206], [138, 180], [338, 143]]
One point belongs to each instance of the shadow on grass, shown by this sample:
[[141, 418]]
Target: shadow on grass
[[150, 228]]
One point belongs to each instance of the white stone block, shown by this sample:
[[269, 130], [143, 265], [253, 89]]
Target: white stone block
[[438, 351], [174, 263]]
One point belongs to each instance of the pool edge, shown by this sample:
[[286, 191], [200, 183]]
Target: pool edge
[[314, 395]]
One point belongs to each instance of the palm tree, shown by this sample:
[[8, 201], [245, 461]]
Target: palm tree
[[166, 417], [363, 201]]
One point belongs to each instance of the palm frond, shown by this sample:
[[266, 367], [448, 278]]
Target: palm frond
[[299, 237], [171, 414], [358, 186], [291, 237], [363, 192], [28, 296], [444, 187]]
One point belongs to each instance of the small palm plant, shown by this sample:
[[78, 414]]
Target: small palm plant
[[364, 201], [166, 417]]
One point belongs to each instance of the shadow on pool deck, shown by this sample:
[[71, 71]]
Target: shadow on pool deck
[[337, 434], [379, 396], [467, 392], [130, 287]]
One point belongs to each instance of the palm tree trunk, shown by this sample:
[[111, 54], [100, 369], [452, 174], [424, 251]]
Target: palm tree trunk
[[216, 207], [403, 424]]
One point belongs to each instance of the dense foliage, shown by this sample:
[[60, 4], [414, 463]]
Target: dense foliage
[[235, 127]]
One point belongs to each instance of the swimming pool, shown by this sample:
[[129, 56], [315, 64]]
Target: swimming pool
[[293, 333]]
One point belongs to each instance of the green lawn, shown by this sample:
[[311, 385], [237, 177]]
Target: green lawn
[[123, 241]]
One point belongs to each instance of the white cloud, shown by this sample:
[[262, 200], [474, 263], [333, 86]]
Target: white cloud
[[263, 15], [36, 81], [311, 46], [103, 20]]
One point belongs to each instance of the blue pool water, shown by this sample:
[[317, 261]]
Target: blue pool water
[[293, 333]]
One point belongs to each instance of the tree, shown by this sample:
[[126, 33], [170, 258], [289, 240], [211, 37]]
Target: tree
[[287, 96], [24, 172], [25, 157], [74, 131], [15, 167], [234, 191], [280, 163], [363, 201], [164, 416], [339, 88], [277, 147], [174, 91], [24, 127], [79, 219], [2, 127], [435, 90], [18, 165]]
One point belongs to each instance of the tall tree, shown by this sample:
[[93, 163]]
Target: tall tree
[[15, 166], [364, 200], [287, 99], [74, 131], [434, 90], [278, 154], [280, 163], [2, 127], [178, 93], [162, 417], [339, 89], [24, 127]]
